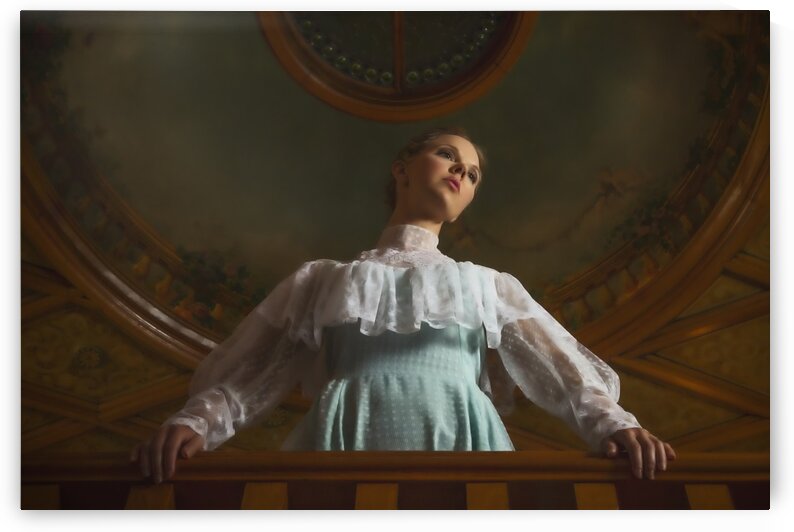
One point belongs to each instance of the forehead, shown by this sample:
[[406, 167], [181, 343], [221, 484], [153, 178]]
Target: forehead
[[465, 147]]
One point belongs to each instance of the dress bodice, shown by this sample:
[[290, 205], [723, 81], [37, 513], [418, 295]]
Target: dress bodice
[[454, 351], [396, 391]]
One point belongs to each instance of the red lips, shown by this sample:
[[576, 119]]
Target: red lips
[[454, 183]]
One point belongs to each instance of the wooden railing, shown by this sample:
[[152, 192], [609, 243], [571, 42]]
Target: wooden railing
[[398, 480]]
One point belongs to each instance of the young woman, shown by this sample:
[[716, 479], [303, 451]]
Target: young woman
[[391, 346]]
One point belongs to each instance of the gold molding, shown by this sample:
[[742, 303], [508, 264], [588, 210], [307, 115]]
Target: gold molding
[[721, 435], [52, 401], [150, 396], [701, 385], [47, 400], [41, 306], [702, 323], [750, 269], [60, 430], [43, 280]]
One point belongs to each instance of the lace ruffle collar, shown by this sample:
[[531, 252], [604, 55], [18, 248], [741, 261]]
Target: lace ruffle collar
[[406, 237]]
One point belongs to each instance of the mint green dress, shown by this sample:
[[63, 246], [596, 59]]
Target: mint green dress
[[391, 348], [402, 392]]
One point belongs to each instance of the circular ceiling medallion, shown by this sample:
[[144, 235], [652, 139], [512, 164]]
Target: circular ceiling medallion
[[397, 67]]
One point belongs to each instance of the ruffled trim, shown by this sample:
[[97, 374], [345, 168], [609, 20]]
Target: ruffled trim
[[326, 293]]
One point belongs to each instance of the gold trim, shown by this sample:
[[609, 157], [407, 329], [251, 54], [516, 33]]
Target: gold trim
[[42, 306], [52, 401], [750, 269], [703, 323], [724, 434], [154, 394], [703, 386], [386, 104], [60, 430]]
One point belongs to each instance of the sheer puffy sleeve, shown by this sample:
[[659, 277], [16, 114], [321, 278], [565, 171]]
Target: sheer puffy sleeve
[[551, 368], [246, 376]]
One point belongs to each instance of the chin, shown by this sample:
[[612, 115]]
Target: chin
[[448, 217], [438, 207]]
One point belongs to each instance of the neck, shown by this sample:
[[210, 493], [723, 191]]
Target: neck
[[399, 218]]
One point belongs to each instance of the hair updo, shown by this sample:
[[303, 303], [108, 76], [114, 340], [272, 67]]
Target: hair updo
[[420, 142]]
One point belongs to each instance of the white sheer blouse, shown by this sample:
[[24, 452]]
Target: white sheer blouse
[[279, 344]]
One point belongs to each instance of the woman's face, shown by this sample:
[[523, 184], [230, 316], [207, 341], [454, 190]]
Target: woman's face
[[439, 182]]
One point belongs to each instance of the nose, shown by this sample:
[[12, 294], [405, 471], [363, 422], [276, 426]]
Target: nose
[[459, 168]]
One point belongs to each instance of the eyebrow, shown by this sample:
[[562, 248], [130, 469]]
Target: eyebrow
[[457, 152]]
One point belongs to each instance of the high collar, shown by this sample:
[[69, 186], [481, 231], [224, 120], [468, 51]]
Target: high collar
[[406, 236]]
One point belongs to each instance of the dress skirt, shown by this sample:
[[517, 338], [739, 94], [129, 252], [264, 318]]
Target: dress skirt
[[402, 392]]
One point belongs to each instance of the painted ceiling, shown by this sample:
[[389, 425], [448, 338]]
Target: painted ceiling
[[195, 124]]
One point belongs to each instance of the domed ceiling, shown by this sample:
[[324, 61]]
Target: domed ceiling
[[201, 168], [196, 126]]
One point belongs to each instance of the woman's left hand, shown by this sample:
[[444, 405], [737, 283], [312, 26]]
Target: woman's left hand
[[647, 453]]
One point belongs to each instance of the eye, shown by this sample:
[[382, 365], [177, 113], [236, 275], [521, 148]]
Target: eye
[[472, 175]]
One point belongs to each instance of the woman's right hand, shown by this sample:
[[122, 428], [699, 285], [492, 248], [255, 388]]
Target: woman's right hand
[[157, 456]]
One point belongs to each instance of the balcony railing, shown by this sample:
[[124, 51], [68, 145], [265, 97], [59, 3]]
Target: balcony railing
[[397, 480]]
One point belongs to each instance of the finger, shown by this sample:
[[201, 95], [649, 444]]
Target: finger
[[648, 456], [608, 445], [612, 449], [193, 445], [670, 452], [172, 444], [156, 454], [635, 455], [661, 455]]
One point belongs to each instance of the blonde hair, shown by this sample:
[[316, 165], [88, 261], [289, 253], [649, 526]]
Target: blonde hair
[[420, 142]]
